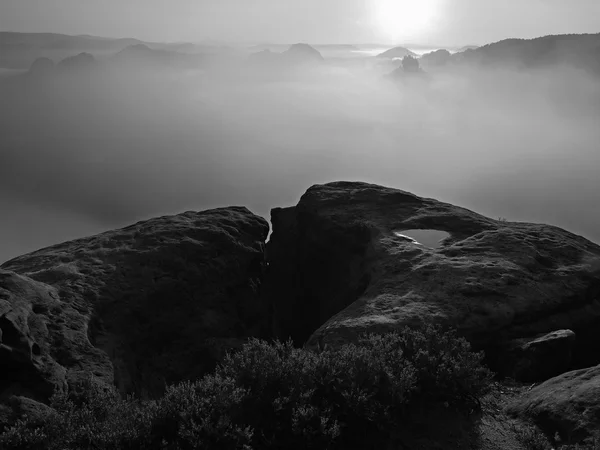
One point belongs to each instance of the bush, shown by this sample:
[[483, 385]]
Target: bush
[[91, 416], [276, 396]]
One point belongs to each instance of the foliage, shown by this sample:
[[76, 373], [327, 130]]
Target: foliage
[[276, 396], [410, 64]]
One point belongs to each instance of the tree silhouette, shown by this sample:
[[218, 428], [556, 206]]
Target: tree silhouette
[[410, 64]]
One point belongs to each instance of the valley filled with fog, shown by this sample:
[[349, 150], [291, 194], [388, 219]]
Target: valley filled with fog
[[90, 149]]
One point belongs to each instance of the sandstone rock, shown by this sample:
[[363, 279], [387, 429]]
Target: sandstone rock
[[540, 357], [338, 268], [144, 306], [568, 405], [31, 319]]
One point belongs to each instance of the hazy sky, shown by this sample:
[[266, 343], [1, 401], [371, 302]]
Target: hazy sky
[[436, 22]]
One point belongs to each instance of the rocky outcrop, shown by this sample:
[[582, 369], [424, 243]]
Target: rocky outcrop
[[337, 268], [141, 307], [33, 321], [568, 405]]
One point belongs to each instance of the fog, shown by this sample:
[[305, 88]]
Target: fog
[[87, 151]]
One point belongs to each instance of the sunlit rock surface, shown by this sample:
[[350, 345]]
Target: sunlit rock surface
[[141, 307], [339, 267]]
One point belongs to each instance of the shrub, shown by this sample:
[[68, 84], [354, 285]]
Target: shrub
[[270, 396], [91, 416]]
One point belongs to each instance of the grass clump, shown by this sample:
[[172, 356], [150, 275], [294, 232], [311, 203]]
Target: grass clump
[[272, 395]]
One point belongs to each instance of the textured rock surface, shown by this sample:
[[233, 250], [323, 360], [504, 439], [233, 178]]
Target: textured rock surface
[[338, 269], [568, 404], [149, 304], [540, 357]]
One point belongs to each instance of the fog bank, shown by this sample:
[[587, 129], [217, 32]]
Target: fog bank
[[88, 151]]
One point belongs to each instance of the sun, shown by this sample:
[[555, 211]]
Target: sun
[[404, 18]]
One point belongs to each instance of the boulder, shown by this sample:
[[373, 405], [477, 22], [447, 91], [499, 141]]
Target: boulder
[[141, 307], [568, 405], [540, 357], [340, 266]]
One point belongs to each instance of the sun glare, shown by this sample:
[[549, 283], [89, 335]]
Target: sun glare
[[404, 18]]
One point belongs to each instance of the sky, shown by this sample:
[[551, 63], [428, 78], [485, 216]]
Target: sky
[[434, 22]]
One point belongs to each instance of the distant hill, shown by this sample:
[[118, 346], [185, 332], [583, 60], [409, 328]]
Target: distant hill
[[141, 55], [396, 52], [20, 50], [467, 47], [63, 41], [576, 50], [339, 47], [296, 54]]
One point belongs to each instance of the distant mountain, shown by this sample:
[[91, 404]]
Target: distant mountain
[[140, 55], [295, 55], [77, 62], [340, 47], [63, 41], [20, 50], [303, 53], [576, 50], [396, 52]]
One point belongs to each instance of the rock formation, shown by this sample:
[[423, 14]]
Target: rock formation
[[162, 300], [144, 306], [568, 405], [337, 266]]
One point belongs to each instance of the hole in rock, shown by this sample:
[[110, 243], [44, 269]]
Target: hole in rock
[[427, 238], [9, 335]]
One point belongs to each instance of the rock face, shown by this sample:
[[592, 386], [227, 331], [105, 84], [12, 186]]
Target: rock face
[[337, 268], [144, 306], [540, 357], [568, 405]]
